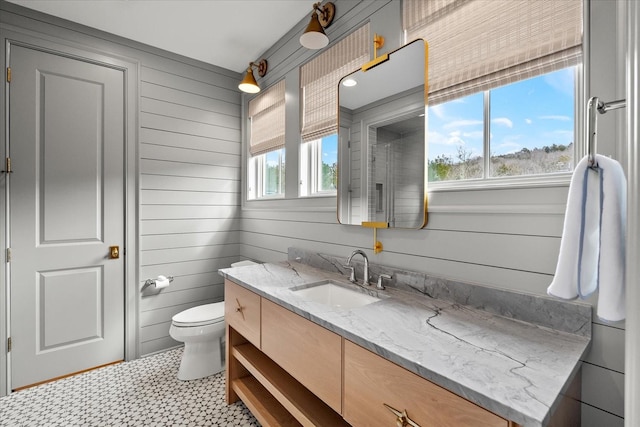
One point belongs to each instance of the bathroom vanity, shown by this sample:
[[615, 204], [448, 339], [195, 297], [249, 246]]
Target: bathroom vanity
[[396, 359]]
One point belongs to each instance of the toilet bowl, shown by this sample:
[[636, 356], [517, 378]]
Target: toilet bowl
[[201, 329]]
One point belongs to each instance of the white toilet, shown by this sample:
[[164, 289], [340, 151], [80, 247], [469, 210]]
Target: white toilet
[[201, 329]]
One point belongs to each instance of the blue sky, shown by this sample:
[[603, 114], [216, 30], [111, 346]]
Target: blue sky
[[527, 114], [330, 149]]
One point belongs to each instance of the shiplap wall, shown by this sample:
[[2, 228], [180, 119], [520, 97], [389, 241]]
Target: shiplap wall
[[189, 191], [501, 237], [189, 169]]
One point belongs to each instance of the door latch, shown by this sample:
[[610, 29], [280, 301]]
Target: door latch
[[114, 252]]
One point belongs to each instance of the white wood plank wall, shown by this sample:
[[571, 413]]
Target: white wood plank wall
[[506, 238], [189, 191]]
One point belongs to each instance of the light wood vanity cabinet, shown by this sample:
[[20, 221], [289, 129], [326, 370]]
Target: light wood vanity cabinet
[[258, 369], [310, 353], [371, 381], [242, 309], [291, 371]]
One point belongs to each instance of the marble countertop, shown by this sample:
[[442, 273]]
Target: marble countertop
[[515, 369]]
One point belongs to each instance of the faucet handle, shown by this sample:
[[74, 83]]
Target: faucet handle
[[352, 276], [380, 277]]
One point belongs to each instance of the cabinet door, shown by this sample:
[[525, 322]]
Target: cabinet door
[[310, 353], [371, 381], [242, 311]]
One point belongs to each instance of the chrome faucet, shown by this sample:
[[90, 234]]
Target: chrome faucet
[[365, 279]]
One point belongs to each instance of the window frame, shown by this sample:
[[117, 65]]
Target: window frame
[[521, 181], [256, 169], [310, 170]]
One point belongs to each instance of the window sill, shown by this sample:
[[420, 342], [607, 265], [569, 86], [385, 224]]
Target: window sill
[[319, 196], [258, 199], [554, 180], [300, 204]]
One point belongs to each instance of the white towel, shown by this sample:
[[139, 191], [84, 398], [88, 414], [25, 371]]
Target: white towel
[[592, 249]]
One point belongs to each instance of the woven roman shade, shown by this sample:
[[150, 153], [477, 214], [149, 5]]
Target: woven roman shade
[[319, 80], [475, 45], [266, 112]]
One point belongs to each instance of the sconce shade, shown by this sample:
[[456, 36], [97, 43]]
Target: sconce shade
[[314, 36], [321, 17], [249, 84]]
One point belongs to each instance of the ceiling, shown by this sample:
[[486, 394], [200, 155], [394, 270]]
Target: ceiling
[[226, 33]]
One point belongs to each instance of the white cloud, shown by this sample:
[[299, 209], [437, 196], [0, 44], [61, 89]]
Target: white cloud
[[436, 138], [528, 121], [475, 134], [558, 117], [561, 81], [460, 123], [438, 111], [503, 121], [455, 140], [440, 139]]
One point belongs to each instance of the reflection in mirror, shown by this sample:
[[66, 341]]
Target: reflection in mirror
[[382, 149]]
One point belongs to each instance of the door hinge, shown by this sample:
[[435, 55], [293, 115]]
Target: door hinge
[[8, 254], [8, 344], [7, 166], [8, 74]]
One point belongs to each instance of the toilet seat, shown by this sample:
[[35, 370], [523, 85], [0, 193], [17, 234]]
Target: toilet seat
[[201, 315]]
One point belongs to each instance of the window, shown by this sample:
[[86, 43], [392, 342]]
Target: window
[[319, 103], [266, 175], [265, 169], [502, 85], [455, 136], [530, 130], [532, 125], [319, 161]]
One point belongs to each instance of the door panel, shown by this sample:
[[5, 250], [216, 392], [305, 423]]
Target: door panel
[[64, 163], [56, 299], [66, 143]]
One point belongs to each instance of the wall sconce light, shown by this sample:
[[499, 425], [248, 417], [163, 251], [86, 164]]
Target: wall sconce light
[[248, 83], [314, 36]]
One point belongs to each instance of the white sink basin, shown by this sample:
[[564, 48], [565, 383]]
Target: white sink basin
[[333, 294]]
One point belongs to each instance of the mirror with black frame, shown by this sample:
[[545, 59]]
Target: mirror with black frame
[[382, 154]]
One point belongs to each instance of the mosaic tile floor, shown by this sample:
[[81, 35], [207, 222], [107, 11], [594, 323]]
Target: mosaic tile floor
[[143, 392]]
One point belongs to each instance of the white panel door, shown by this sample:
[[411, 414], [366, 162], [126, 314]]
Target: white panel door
[[66, 142]]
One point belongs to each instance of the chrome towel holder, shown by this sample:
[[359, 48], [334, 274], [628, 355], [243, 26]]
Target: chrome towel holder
[[595, 105]]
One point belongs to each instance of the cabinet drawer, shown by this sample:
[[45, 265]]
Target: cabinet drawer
[[242, 311], [370, 381], [310, 353]]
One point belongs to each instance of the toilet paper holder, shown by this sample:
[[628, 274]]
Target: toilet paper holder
[[152, 282]]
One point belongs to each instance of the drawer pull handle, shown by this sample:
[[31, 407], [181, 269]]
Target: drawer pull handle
[[402, 419], [239, 309]]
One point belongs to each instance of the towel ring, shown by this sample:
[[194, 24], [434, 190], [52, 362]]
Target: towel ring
[[595, 105]]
